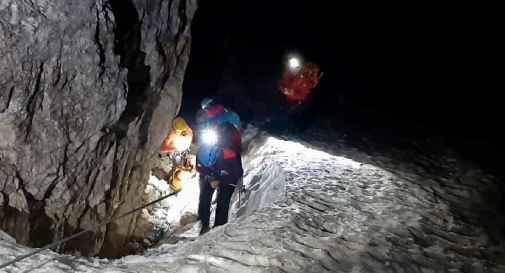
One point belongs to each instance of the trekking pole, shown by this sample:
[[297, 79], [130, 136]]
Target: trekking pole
[[239, 187], [240, 192], [319, 78]]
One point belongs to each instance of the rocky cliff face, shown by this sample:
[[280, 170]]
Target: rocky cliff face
[[87, 91]]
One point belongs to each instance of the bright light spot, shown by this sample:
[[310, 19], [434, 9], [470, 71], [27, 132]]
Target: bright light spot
[[174, 207], [180, 144], [294, 62], [209, 136], [186, 200]]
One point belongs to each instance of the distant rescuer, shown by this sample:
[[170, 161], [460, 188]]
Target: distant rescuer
[[296, 84], [298, 80]]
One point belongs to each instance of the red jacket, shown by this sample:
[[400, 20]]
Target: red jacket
[[176, 143], [297, 87]]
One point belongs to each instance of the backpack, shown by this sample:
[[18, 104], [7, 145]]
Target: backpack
[[230, 137], [224, 117]]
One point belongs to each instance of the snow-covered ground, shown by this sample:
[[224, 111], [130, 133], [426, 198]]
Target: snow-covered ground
[[314, 204], [170, 215]]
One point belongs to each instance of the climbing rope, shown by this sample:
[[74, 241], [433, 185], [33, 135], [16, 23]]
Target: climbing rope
[[22, 257]]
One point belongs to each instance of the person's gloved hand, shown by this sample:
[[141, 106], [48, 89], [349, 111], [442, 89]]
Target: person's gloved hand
[[214, 184]]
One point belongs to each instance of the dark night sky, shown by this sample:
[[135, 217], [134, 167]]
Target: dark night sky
[[416, 63]]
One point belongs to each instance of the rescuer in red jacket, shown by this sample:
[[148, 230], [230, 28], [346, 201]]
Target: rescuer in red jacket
[[298, 80], [297, 84]]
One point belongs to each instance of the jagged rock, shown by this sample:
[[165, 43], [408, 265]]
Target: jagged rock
[[87, 89]]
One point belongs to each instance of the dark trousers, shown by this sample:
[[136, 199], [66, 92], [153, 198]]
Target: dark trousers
[[223, 203], [300, 113]]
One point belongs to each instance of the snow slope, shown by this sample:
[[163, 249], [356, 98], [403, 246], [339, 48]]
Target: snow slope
[[322, 206]]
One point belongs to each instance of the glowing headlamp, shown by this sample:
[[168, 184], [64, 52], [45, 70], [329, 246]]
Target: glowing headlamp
[[293, 62], [209, 136]]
